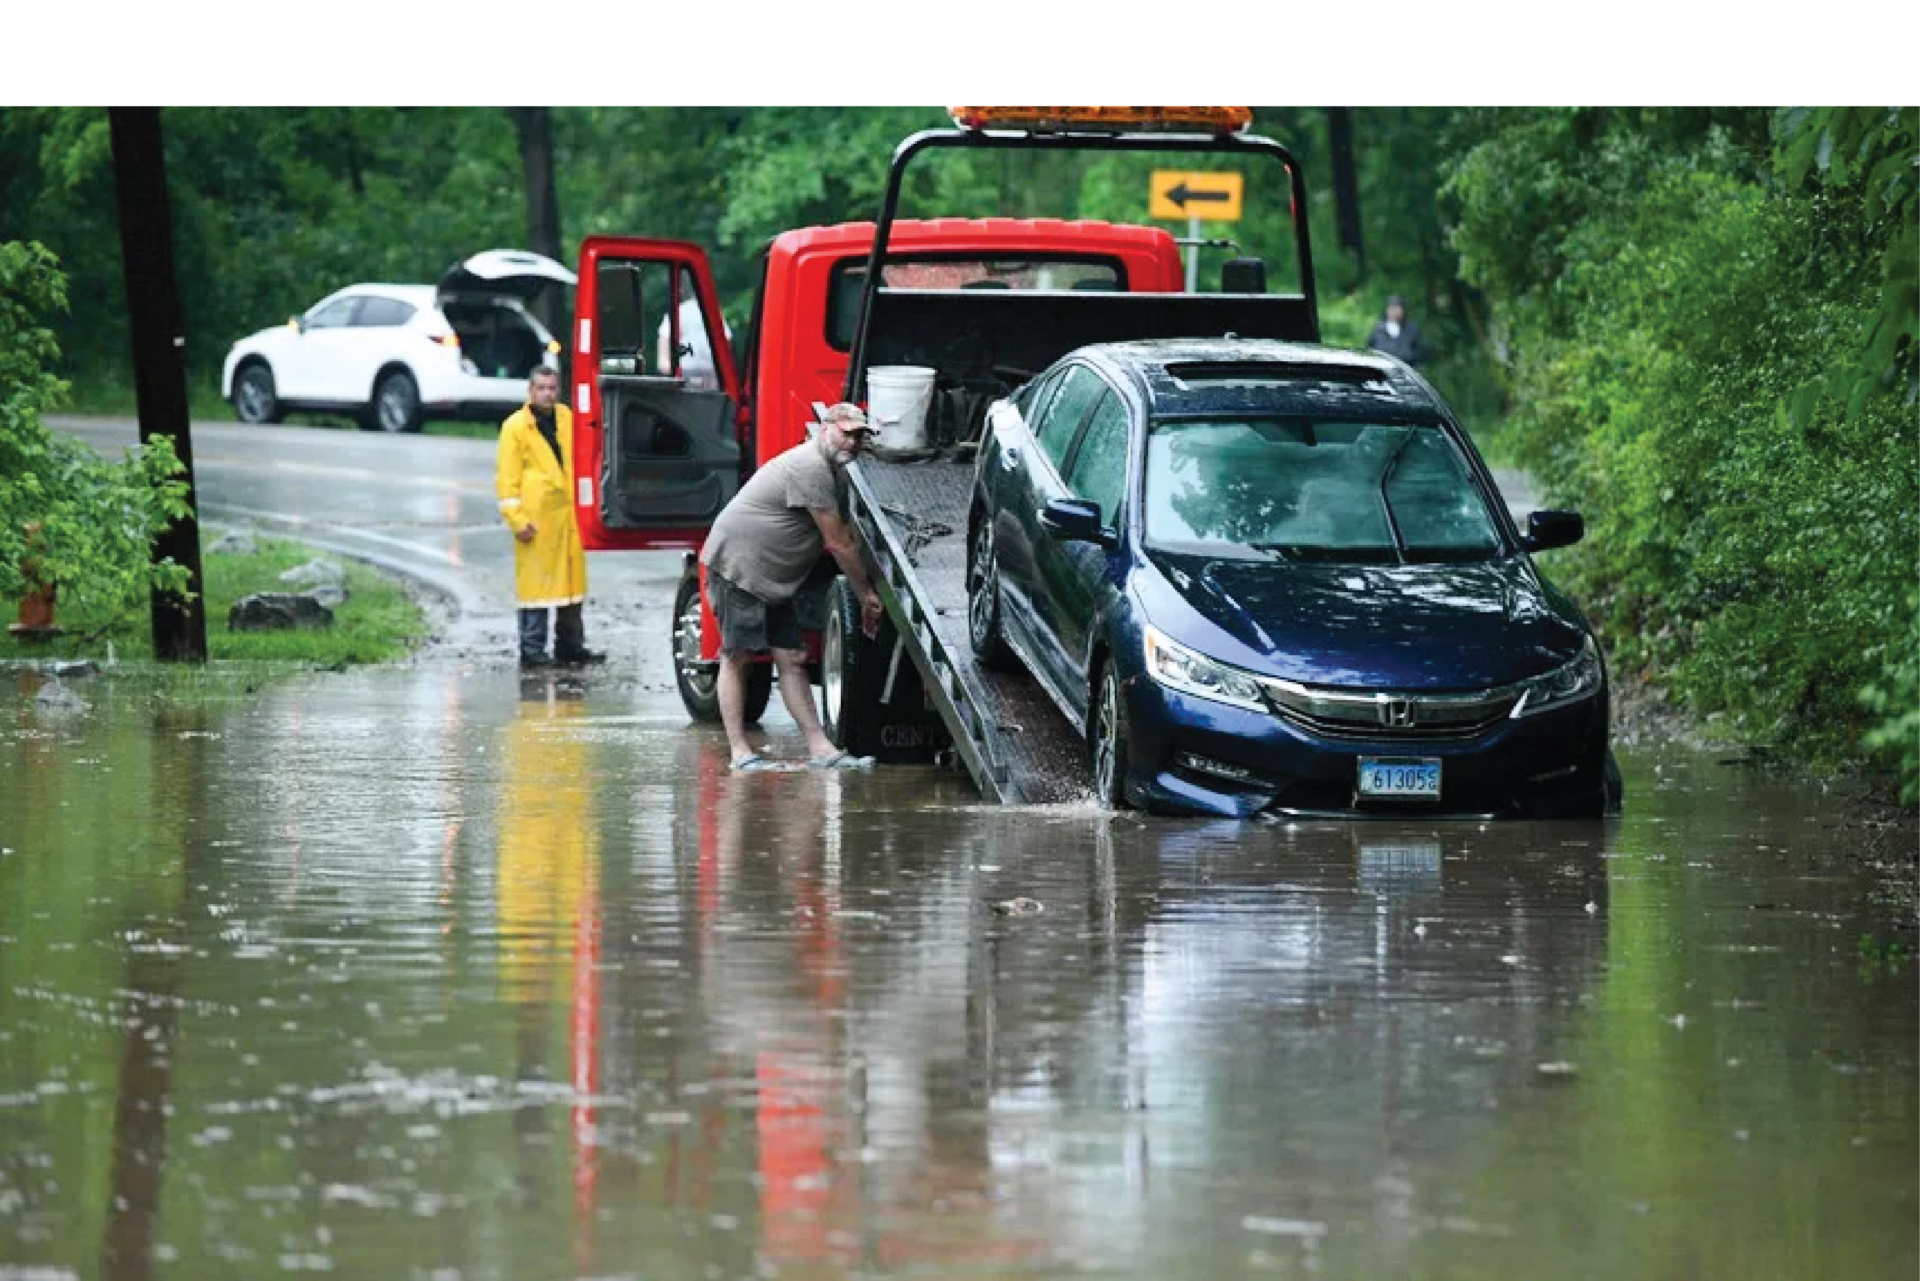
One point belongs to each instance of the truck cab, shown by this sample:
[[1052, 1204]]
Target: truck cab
[[660, 455]]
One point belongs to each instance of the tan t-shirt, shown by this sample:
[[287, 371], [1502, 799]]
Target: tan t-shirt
[[766, 541]]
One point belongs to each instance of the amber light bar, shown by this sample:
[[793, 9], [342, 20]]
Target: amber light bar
[[1221, 120]]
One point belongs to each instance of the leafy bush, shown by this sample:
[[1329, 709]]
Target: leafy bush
[[92, 521], [1760, 561]]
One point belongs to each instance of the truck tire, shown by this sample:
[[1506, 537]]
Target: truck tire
[[698, 682], [853, 674]]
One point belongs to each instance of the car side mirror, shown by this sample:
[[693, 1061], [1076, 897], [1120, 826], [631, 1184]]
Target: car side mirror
[[1548, 530], [1074, 520]]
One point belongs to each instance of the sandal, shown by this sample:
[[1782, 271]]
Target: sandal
[[840, 760], [758, 764]]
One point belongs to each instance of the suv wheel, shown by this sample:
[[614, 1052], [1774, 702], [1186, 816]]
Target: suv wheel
[[254, 397], [396, 403]]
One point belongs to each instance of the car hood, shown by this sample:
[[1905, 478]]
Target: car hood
[[1439, 626], [514, 272]]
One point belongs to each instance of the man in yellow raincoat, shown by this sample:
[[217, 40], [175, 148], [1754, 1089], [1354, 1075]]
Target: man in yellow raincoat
[[534, 480]]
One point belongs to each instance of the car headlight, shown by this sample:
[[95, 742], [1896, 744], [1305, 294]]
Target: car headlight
[[1177, 667], [1563, 685]]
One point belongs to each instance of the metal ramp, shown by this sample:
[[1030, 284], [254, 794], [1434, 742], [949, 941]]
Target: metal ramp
[[1012, 739]]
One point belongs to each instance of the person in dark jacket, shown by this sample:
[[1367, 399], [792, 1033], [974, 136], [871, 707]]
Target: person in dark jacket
[[1399, 337]]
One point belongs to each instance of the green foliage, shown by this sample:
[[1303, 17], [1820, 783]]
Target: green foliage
[[1869, 158], [1894, 701], [95, 520], [1759, 562]]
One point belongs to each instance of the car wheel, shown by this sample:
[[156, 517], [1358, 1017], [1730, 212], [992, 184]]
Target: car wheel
[[699, 682], [1107, 742], [396, 403], [984, 628], [254, 397], [852, 675]]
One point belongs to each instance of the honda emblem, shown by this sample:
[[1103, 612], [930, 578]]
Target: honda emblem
[[1397, 713]]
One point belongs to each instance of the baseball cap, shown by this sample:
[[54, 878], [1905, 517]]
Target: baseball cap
[[852, 418]]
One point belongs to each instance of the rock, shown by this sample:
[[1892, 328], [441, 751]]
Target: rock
[[237, 543], [277, 611], [315, 571], [56, 699]]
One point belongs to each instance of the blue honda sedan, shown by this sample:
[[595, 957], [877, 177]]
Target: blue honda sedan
[[1277, 577]]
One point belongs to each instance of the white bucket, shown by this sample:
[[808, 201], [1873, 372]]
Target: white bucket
[[898, 398]]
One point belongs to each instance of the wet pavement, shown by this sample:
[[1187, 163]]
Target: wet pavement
[[432, 971]]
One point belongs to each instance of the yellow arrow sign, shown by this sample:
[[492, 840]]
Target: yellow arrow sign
[[1210, 196]]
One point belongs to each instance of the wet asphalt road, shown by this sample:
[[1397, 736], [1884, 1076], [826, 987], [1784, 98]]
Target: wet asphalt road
[[432, 971]]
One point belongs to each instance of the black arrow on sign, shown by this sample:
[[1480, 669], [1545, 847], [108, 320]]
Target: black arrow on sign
[[1181, 193]]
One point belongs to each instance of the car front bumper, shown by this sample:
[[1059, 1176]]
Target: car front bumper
[[1200, 756]]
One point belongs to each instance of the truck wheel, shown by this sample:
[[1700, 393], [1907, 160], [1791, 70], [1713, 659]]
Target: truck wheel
[[853, 673], [698, 682], [983, 602], [1107, 743]]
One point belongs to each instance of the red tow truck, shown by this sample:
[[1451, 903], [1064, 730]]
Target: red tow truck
[[987, 303]]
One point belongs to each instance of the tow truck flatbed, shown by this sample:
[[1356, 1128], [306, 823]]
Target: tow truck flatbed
[[1011, 738]]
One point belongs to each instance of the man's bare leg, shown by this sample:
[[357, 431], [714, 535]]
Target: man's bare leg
[[733, 702], [796, 691]]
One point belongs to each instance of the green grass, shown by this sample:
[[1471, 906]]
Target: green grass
[[378, 621]]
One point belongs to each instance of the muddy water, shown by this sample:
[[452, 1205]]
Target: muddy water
[[433, 973]]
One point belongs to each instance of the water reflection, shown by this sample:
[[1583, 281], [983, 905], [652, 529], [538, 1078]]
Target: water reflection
[[510, 980], [549, 930]]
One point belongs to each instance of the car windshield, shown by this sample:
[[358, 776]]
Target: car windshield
[[1302, 489]]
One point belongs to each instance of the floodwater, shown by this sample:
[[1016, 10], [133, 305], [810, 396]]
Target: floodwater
[[432, 972]]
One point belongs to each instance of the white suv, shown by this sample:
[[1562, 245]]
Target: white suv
[[396, 355]]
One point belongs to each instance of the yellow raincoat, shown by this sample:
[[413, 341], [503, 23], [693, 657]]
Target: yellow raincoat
[[534, 486]]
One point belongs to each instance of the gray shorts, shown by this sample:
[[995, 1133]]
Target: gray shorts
[[748, 624]]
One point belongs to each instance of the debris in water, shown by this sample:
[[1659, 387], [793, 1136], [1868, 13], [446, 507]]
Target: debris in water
[[1559, 1067], [1020, 907]]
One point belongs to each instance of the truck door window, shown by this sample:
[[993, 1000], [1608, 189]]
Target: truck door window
[[689, 353]]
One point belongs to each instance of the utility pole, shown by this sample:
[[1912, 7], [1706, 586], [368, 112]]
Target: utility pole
[[159, 360]]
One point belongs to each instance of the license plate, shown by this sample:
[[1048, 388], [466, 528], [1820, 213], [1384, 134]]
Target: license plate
[[1392, 777]]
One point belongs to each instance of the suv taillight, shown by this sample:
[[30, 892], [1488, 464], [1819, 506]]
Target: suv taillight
[[446, 340]]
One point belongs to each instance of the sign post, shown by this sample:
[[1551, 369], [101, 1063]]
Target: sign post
[[1214, 197]]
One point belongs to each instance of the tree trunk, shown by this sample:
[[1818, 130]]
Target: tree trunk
[[534, 125], [1346, 185], [159, 359]]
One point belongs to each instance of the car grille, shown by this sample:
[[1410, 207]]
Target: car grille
[[1387, 715]]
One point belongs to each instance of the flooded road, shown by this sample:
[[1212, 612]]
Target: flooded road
[[430, 972]]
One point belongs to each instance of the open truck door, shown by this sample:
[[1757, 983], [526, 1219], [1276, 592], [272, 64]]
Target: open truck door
[[659, 436]]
